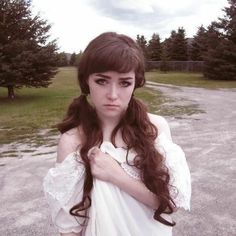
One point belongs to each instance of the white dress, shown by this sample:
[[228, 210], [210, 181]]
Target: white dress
[[113, 212]]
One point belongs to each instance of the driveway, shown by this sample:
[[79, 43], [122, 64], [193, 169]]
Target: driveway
[[208, 140]]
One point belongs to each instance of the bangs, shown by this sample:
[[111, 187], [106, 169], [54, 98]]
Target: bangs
[[114, 58]]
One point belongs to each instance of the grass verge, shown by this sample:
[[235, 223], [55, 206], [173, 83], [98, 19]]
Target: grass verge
[[188, 79]]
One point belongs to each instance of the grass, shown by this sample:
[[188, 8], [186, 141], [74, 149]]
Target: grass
[[188, 79], [34, 110]]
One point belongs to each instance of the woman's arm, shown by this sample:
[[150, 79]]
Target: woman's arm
[[105, 168], [135, 188], [68, 144]]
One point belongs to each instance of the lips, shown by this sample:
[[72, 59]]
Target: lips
[[111, 106]]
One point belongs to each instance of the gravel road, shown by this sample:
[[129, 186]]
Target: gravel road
[[208, 140]]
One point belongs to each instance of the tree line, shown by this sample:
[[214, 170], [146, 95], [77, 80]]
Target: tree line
[[215, 45], [28, 58]]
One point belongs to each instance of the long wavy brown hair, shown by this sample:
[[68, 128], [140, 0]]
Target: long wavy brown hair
[[116, 52]]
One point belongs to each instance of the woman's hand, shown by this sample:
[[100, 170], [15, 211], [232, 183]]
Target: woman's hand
[[103, 166]]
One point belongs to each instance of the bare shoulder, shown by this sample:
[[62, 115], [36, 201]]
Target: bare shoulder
[[68, 143], [161, 123]]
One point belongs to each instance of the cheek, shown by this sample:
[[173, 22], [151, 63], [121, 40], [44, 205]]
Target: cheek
[[94, 95], [127, 96]]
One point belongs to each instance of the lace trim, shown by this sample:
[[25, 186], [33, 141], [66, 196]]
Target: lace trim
[[180, 180], [131, 171], [60, 181]]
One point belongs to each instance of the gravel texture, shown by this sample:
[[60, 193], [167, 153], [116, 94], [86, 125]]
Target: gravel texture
[[208, 140]]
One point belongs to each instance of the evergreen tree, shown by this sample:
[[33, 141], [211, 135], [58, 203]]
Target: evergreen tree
[[78, 56], [178, 47], [154, 48], [199, 46], [168, 45], [73, 59], [62, 59], [142, 42], [26, 56], [220, 61]]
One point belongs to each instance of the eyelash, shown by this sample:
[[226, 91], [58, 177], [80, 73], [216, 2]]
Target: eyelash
[[101, 81], [125, 84], [104, 81]]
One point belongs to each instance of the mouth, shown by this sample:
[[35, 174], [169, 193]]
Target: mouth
[[111, 106]]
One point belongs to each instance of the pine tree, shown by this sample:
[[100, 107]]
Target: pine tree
[[176, 46], [78, 57], [154, 48], [26, 57], [62, 59], [73, 59], [220, 61], [199, 46], [179, 50], [142, 42], [168, 46]]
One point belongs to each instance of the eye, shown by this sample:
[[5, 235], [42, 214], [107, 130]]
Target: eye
[[101, 81], [125, 83]]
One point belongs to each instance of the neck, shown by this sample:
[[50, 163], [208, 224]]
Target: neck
[[108, 125]]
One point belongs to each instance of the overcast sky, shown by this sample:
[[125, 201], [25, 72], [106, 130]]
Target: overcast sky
[[76, 22]]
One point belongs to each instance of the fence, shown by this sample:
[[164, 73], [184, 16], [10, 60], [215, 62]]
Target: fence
[[189, 66]]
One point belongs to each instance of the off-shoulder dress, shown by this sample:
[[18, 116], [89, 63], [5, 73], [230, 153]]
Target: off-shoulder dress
[[113, 211]]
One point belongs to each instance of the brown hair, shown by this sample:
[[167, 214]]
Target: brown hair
[[116, 52]]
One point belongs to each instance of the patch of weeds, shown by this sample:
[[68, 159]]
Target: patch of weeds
[[27, 151], [10, 155], [179, 110], [53, 131], [8, 152], [43, 153], [53, 144]]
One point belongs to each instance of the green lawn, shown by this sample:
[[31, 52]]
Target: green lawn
[[188, 79], [35, 109], [38, 109]]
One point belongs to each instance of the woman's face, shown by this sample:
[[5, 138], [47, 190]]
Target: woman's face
[[111, 92]]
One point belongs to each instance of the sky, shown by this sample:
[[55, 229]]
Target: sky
[[76, 22]]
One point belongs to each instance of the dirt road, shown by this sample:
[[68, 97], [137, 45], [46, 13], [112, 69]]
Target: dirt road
[[208, 140]]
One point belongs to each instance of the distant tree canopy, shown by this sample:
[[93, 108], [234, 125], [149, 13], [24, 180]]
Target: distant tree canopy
[[220, 59], [142, 42], [173, 48], [176, 45], [26, 57], [154, 48], [199, 45], [214, 45], [62, 59], [73, 59]]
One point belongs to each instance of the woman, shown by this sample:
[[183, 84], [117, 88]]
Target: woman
[[118, 171]]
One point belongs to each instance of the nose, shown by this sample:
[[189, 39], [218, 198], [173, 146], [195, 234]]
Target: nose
[[112, 93]]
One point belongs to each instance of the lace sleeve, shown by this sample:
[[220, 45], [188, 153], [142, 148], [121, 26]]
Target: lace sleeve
[[131, 170], [180, 180], [63, 188]]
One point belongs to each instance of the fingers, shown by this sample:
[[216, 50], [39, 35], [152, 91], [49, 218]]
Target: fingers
[[93, 152]]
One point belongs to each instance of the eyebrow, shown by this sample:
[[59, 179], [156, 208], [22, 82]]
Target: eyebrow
[[108, 77]]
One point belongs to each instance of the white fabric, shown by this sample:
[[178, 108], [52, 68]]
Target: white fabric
[[63, 188], [114, 212], [178, 169]]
